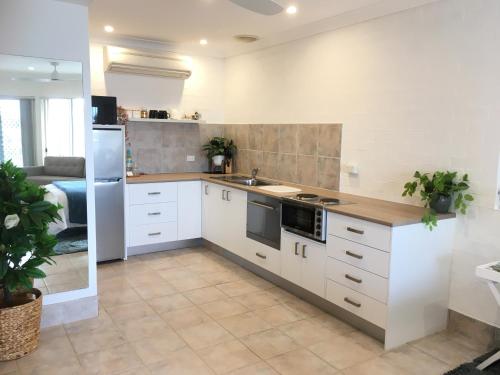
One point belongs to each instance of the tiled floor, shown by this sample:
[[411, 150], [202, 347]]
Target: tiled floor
[[191, 311], [69, 273]]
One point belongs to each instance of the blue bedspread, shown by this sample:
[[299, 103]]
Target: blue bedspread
[[76, 192]]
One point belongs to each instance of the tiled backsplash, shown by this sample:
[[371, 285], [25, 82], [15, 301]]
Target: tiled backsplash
[[164, 147], [308, 154]]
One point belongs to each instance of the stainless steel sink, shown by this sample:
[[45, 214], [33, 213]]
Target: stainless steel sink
[[243, 180]]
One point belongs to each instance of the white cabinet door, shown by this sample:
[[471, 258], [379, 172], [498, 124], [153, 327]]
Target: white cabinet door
[[313, 267], [189, 210], [291, 261], [211, 212], [233, 220]]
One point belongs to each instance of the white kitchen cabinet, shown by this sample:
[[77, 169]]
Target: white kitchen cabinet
[[224, 217], [303, 262], [394, 277], [188, 210]]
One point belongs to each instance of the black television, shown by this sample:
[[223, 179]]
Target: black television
[[104, 110]]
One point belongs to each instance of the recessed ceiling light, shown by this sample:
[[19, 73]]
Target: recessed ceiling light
[[31, 68], [203, 42], [292, 9], [109, 28]]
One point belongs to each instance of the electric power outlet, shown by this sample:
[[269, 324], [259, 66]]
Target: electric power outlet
[[190, 158]]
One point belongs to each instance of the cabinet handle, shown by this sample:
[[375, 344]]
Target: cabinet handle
[[154, 193], [296, 248], [351, 302], [354, 230], [206, 189], [262, 205], [154, 234], [261, 256], [304, 251], [223, 191], [354, 255], [228, 197], [154, 213], [352, 278]]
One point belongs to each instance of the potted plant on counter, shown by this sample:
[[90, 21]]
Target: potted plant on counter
[[229, 153], [25, 245], [438, 192], [219, 150]]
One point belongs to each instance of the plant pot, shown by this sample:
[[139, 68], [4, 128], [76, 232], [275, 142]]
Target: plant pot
[[20, 328], [218, 159], [440, 203]]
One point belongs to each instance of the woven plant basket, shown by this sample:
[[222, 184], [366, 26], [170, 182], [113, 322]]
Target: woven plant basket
[[20, 328]]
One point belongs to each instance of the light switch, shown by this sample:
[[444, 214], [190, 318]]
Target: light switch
[[190, 158]]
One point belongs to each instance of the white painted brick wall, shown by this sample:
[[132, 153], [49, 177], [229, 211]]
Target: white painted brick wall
[[416, 90]]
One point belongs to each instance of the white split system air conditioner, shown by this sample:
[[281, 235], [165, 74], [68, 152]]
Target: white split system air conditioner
[[130, 61]]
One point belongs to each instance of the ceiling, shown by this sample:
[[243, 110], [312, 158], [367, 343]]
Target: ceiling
[[180, 24], [23, 66]]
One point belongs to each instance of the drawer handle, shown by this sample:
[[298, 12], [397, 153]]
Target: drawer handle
[[261, 256], [351, 302], [354, 230], [354, 255], [296, 248], [352, 278], [154, 213], [228, 197], [304, 251], [154, 234], [154, 193], [223, 192], [206, 189], [262, 205]]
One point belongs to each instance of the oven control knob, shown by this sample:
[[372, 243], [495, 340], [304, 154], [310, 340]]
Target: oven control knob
[[318, 226], [318, 233], [318, 220], [318, 213]]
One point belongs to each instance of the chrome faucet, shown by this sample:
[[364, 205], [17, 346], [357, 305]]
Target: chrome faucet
[[254, 173]]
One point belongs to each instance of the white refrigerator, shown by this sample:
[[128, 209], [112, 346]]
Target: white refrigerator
[[109, 174]]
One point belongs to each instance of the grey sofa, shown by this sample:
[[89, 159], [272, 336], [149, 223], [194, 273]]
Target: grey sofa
[[57, 168]]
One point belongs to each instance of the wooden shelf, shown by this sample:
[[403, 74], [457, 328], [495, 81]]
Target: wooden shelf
[[172, 121]]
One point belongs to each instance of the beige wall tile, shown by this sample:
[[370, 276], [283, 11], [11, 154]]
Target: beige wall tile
[[330, 140], [307, 170], [255, 159], [288, 139], [270, 138], [241, 136], [307, 139], [269, 165], [255, 137], [329, 173], [287, 165]]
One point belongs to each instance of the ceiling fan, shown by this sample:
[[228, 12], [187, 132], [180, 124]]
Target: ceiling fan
[[54, 76], [264, 7]]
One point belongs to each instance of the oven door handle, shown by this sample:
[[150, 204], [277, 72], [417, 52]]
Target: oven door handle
[[262, 205]]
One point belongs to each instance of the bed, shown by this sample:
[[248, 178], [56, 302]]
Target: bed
[[71, 195]]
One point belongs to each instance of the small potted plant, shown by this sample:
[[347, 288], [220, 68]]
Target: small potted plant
[[215, 149], [25, 245], [438, 193]]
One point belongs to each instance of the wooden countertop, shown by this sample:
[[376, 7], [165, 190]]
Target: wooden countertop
[[375, 210]]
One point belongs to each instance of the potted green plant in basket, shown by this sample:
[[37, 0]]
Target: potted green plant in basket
[[25, 245], [438, 192]]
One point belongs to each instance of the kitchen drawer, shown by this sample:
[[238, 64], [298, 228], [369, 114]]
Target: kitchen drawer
[[357, 303], [153, 233], [153, 213], [263, 256], [357, 279], [152, 193], [361, 256], [362, 231]]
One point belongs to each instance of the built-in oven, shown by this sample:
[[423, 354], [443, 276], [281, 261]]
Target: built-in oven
[[305, 219], [263, 219]]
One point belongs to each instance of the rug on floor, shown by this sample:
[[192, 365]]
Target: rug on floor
[[470, 368], [71, 240]]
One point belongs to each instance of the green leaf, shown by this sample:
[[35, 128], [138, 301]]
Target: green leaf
[[35, 273]]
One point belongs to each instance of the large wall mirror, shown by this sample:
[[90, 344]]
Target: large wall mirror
[[42, 130]]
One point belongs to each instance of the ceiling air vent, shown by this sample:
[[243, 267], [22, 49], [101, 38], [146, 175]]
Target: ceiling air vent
[[246, 38]]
